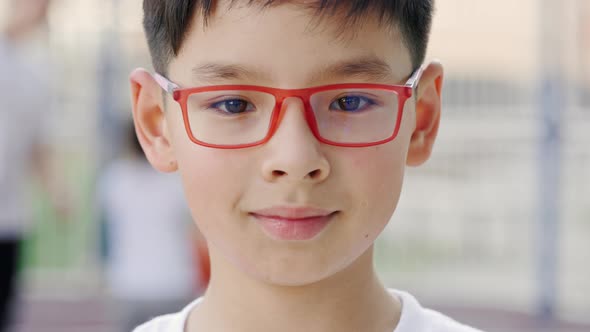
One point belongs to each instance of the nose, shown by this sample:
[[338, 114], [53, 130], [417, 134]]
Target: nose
[[293, 153]]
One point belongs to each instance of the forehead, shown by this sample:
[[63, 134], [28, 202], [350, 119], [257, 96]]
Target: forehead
[[288, 44]]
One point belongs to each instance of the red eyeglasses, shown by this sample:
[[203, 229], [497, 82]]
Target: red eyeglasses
[[241, 116]]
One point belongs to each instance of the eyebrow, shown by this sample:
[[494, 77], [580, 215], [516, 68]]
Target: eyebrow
[[367, 68], [210, 73]]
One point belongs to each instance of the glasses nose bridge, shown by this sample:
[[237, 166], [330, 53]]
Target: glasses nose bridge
[[281, 97]]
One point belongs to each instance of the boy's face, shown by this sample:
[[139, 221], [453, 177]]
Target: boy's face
[[227, 189]]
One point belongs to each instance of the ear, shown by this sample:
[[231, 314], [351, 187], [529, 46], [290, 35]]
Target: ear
[[428, 108], [150, 121]]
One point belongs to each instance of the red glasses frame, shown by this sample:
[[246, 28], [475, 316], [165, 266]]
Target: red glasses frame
[[181, 95]]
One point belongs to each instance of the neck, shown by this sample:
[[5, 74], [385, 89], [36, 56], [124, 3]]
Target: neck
[[350, 300]]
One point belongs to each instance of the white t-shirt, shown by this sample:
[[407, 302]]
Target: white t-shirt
[[414, 318]]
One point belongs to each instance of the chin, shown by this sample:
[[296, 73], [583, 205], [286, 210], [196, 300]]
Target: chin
[[299, 272], [289, 279]]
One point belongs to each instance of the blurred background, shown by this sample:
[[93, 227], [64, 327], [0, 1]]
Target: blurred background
[[494, 230]]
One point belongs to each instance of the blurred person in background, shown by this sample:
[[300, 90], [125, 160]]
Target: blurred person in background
[[24, 104], [150, 274]]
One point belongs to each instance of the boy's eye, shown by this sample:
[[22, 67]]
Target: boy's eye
[[351, 103], [233, 106]]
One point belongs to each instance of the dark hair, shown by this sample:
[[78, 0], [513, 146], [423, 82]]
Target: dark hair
[[167, 21]]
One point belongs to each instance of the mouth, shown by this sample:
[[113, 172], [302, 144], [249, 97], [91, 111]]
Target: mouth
[[293, 223]]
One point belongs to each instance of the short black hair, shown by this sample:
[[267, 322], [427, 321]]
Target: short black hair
[[166, 22]]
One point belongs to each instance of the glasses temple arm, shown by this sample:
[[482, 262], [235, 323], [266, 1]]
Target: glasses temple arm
[[415, 78], [165, 83]]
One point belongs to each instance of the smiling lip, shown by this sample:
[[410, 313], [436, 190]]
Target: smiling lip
[[293, 223]]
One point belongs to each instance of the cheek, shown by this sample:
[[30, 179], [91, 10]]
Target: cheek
[[212, 178], [213, 184], [378, 171], [375, 177]]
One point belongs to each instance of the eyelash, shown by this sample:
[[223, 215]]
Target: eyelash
[[369, 102], [219, 104]]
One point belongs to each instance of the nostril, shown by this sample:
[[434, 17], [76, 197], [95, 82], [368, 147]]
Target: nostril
[[278, 173], [315, 174]]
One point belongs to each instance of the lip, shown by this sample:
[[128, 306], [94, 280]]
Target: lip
[[293, 223]]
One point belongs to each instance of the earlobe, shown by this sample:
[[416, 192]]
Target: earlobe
[[428, 111], [150, 122]]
